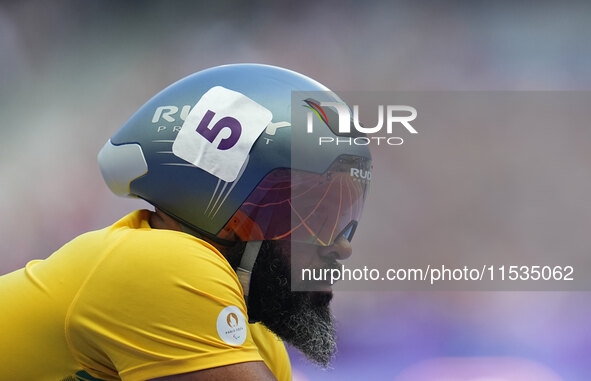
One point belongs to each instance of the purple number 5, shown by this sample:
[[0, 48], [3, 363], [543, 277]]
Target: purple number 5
[[211, 133]]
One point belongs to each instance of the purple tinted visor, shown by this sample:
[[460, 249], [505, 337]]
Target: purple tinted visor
[[301, 206]]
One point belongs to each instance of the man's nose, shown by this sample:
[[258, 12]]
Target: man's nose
[[340, 249]]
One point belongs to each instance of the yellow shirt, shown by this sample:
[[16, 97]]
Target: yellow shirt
[[129, 303]]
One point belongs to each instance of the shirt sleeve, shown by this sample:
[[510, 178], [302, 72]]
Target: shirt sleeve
[[159, 303]]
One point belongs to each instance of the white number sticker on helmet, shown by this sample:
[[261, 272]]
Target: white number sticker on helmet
[[220, 131]]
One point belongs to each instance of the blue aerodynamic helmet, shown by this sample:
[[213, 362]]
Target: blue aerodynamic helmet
[[215, 152]]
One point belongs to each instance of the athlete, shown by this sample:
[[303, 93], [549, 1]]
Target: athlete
[[206, 286]]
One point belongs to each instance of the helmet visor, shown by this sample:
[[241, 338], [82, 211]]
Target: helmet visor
[[301, 206]]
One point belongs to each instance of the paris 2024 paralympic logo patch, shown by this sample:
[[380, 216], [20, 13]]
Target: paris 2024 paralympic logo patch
[[231, 326]]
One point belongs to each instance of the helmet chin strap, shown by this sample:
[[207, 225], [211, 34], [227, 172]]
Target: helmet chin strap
[[244, 270]]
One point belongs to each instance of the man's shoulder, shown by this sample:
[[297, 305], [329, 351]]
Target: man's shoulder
[[147, 267], [138, 243], [168, 250], [132, 237], [129, 252], [161, 294]]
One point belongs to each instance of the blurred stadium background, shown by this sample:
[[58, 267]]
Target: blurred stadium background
[[71, 72]]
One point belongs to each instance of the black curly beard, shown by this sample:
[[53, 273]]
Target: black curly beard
[[302, 319]]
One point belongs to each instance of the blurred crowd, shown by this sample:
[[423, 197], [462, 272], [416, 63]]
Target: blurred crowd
[[72, 72]]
